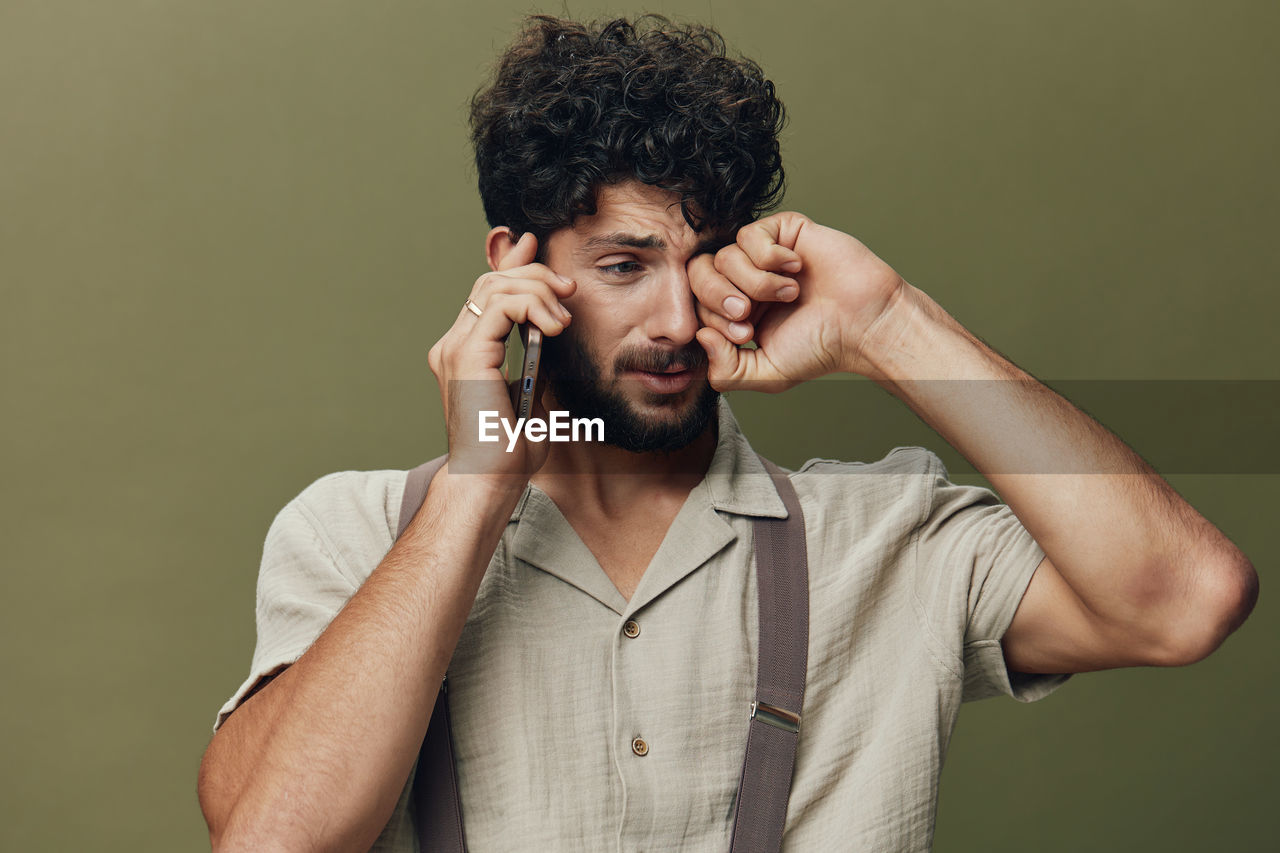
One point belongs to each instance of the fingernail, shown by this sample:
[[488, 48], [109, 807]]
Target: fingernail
[[739, 330], [564, 311], [735, 306], [565, 280], [788, 292], [791, 266]]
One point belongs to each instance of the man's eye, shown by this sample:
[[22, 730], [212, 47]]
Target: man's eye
[[621, 268]]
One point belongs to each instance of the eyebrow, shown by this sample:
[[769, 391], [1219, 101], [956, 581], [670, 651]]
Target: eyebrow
[[624, 240]]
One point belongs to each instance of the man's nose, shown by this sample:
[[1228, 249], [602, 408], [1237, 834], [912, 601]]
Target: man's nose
[[672, 316]]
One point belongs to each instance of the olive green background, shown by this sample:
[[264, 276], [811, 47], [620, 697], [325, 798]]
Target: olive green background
[[230, 231]]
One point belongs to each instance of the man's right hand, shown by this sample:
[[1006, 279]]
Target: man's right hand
[[319, 757], [468, 361]]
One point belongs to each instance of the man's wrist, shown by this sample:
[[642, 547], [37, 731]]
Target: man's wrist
[[915, 339], [478, 490], [471, 505], [895, 346]]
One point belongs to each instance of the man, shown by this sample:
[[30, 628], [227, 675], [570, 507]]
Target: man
[[594, 603]]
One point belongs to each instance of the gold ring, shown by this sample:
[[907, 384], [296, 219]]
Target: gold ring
[[471, 306]]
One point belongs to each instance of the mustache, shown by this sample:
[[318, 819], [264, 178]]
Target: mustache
[[661, 360]]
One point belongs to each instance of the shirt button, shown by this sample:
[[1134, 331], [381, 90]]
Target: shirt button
[[639, 747], [631, 628]]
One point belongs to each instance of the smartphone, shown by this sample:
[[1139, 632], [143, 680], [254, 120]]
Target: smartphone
[[526, 391]]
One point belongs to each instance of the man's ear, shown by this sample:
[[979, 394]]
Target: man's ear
[[497, 244]]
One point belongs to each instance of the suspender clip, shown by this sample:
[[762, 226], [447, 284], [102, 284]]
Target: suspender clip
[[779, 718]]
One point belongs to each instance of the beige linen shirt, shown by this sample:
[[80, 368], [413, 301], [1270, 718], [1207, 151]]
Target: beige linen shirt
[[913, 581]]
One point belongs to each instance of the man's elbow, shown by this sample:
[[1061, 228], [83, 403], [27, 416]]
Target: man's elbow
[[219, 797], [243, 819], [1225, 599], [216, 799], [230, 832]]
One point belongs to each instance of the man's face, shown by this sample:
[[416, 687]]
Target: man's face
[[630, 356]]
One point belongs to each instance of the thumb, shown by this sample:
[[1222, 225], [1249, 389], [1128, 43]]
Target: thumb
[[726, 363], [522, 253]]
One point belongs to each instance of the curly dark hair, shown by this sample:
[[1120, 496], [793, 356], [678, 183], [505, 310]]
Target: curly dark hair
[[575, 106]]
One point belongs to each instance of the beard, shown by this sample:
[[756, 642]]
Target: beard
[[576, 380]]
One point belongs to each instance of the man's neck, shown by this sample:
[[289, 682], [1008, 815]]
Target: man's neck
[[605, 480]]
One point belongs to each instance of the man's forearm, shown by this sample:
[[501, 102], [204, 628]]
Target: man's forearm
[[1132, 549], [318, 758]]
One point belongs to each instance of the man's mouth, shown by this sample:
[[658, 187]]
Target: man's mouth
[[670, 380], [665, 372]]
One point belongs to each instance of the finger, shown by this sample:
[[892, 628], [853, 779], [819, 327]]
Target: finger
[[730, 367], [759, 285], [525, 279], [548, 287], [727, 364], [738, 331], [760, 242], [563, 286], [523, 252], [505, 310], [715, 292]]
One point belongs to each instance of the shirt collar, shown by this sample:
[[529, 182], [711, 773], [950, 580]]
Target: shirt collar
[[736, 480]]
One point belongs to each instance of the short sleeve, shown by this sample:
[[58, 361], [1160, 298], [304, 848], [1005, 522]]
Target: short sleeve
[[302, 584], [974, 561]]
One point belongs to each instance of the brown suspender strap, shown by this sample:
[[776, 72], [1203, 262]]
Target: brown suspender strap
[[782, 580], [437, 809], [436, 805]]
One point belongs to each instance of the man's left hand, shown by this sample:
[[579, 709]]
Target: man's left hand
[[806, 294]]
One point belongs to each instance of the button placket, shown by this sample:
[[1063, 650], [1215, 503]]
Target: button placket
[[630, 681], [631, 630]]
